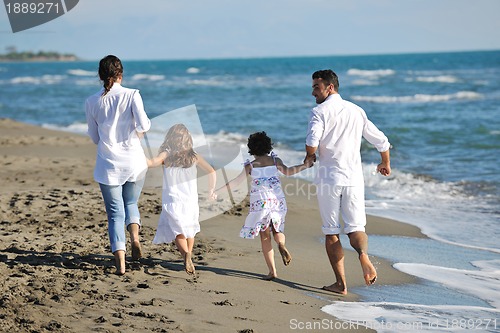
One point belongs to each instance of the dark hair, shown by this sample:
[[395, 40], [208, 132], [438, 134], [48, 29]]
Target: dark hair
[[110, 69], [259, 144], [328, 76]]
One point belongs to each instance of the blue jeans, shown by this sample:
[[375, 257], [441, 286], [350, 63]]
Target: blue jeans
[[122, 210]]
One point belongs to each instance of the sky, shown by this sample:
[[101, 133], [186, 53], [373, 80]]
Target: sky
[[208, 29]]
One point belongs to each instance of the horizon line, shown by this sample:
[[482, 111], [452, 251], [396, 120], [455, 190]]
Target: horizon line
[[80, 59]]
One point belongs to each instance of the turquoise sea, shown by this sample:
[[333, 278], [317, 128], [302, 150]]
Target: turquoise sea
[[441, 112]]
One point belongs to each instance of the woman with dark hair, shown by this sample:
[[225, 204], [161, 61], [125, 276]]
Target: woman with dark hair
[[116, 121]]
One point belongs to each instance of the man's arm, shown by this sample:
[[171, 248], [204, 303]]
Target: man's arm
[[310, 153], [385, 167]]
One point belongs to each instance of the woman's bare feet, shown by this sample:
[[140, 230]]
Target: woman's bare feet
[[120, 271], [119, 262], [369, 272], [270, 276], [336, 288], [188, 264], [136, 251], [285, 255]]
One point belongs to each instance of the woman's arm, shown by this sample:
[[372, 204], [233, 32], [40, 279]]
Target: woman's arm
[[92, 131], [158, 160], [143, 124]]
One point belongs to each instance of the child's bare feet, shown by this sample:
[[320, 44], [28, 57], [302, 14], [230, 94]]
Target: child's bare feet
[[188, 264], [285, 255], [336, 288], [369, 272]]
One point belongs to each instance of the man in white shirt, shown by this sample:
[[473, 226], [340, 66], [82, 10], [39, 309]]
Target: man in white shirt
[[335, 131]]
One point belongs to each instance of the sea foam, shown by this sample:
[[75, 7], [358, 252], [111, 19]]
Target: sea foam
[[419, 98], [483, 283], [388, 317], [371, 73], [38, 80], [81, 72]]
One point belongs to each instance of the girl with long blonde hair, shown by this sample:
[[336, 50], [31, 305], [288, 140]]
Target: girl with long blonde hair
[[179, 218]]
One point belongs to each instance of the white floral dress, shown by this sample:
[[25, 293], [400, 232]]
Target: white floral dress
[[267, 202]]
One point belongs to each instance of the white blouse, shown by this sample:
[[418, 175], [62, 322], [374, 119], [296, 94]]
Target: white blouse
[[336, 127], [114, 123]]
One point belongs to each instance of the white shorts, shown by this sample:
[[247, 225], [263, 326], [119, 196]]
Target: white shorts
[[348, 200]]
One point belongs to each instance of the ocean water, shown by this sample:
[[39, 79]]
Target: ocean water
[[441, 112]]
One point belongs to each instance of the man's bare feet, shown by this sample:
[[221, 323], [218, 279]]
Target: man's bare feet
[[270, 276], [336, 288], [136, 251], [285, 255], [369, 272], [188, 264]]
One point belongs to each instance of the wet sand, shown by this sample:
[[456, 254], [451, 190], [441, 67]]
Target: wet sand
[[57, 269]]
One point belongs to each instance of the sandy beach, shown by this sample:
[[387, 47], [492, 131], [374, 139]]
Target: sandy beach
[[57, 269]]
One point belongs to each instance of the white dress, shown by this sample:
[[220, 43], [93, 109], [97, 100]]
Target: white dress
[[180, 211], [267, 202]]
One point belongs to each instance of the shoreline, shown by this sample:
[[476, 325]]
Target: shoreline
[[56, 259]]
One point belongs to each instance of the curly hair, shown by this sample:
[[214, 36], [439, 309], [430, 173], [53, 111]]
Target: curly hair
[[259, 144], [179, 144]]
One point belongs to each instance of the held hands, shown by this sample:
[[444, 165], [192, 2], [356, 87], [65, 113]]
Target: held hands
[[140, 135], [221, 190], [212, 195], [309, 160]]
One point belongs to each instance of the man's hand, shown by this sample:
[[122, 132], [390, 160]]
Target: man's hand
[[310, 155], [384, 169]]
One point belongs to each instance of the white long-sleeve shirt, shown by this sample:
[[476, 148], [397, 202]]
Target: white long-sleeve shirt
[[114, 121], [336, 128]]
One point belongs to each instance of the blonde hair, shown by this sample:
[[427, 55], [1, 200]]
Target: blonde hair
[[179, 146]]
